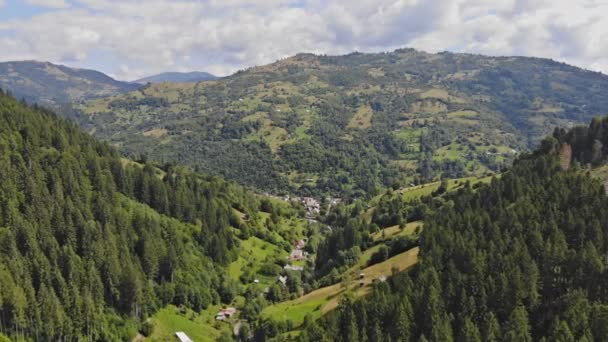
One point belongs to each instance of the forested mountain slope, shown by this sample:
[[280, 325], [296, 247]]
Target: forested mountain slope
[[519, 259], [57, 85], [91, 244], [353, 124]]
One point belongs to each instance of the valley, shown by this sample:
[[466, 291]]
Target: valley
[[363, 196]]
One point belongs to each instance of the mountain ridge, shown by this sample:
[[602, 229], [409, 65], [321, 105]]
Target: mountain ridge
[[54, 85], [314, 118], [178, 77]]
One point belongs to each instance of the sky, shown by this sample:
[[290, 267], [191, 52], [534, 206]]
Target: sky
[[130, 39]]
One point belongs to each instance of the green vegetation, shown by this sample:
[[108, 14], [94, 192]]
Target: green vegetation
[[93, 244], [200, 327], [352, 125], [326, 299], [518, 259]]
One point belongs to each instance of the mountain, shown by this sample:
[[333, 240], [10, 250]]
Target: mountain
[[92, 244], [194, 76], [54, 85], [351, 125]]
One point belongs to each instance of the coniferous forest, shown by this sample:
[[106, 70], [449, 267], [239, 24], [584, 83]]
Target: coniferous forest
[[520, 259], [91, 244]]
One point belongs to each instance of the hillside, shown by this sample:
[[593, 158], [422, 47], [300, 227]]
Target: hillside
[[518, 259], [194, 76], [55, 85], [92, 244], [350, 125]]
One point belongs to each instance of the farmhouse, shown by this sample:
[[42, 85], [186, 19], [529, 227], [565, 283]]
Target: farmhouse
[[225, 313]]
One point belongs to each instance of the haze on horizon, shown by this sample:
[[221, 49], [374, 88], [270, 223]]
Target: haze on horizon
[[129, 39]]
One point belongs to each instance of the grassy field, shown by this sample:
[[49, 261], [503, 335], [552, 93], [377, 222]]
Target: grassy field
[[327, 298], [419, 191], [253, 253], [199, 327], [361, 119], [394, 231]]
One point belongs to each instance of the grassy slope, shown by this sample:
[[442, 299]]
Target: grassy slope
[[327, 298], [255, 251], [395, 231], [199, 327]]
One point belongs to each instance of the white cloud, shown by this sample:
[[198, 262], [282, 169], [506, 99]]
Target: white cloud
[[130, 38], [48, 3]]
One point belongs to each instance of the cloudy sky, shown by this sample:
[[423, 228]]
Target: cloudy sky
[[129, 39]]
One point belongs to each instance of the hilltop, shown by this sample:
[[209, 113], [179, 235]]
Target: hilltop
[[194, 76], [353, 124], [56, 85]]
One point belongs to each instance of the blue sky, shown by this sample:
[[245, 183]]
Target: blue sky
[[129, 39]]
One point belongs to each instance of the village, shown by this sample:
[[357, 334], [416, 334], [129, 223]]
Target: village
[[295, 261]]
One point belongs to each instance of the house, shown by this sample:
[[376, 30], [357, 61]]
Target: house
[[182, 337], [296, 254], [225, 313], [310, 202], [283, 280], [257, 281], [312, 205], [300, 244], [361, 275]]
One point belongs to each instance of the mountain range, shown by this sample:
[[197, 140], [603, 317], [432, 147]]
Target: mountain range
[[352, 124], [53, 85]]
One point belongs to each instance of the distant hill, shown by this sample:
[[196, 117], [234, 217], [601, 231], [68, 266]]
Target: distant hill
[[53, 85], [195, 76], [353, 124]]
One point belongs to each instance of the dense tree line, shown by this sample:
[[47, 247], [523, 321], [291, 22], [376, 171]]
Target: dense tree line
[[91, 244], [520, 259], [589, 145]]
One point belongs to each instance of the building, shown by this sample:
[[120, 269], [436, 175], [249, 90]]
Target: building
[[283, 280], [225, 313], [311, 205], [297, 254], [182, 337]]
